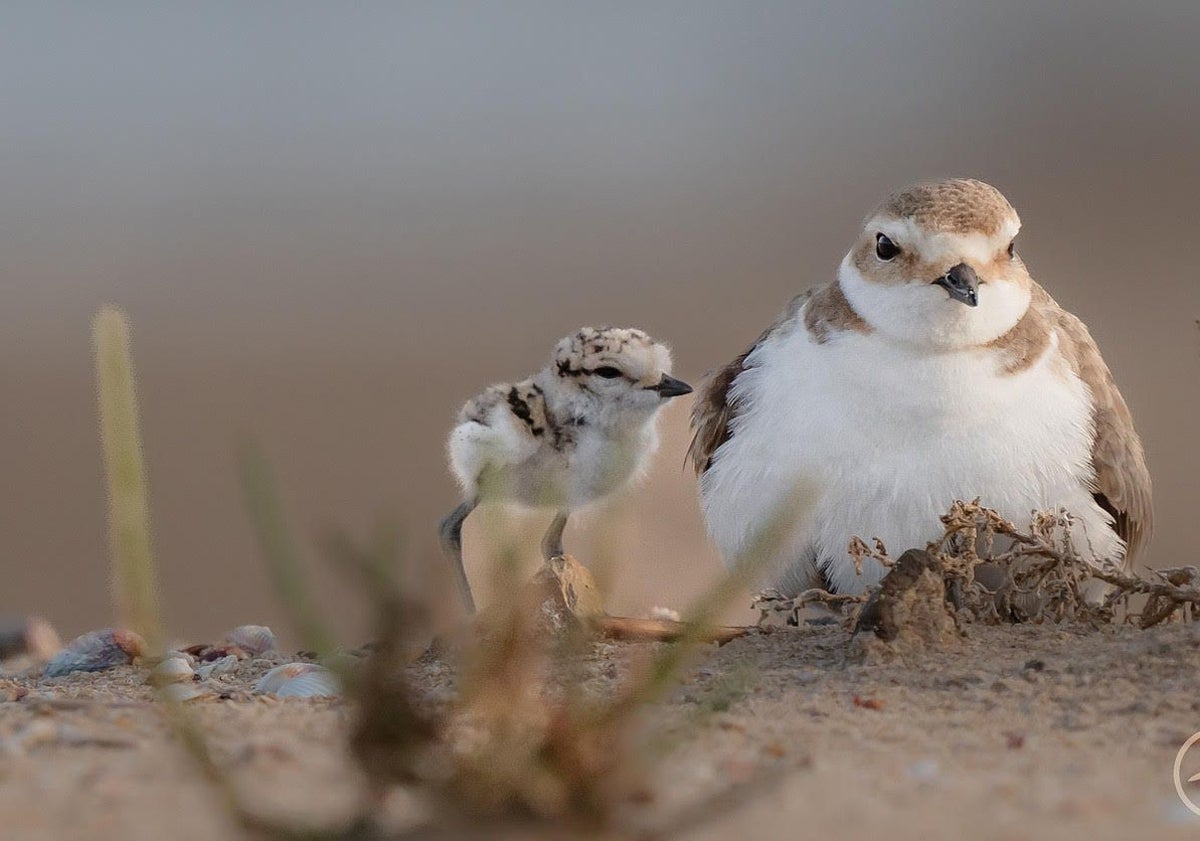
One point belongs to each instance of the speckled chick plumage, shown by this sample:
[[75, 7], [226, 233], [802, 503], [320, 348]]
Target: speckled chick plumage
[[576, 431]]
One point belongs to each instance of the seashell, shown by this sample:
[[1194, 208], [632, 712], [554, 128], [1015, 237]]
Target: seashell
[[96, 651], [276, 677], [181, 693], [314, 684], [299, 680], [218, 667], [171, 670], [252, 639]]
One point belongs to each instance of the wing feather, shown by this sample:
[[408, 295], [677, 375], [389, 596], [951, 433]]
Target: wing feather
[[1122, 480], [714, 409]]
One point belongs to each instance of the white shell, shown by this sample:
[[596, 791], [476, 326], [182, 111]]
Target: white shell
[[253, 639], [276, 677], [171, 670], [316, 684], [299, 680]]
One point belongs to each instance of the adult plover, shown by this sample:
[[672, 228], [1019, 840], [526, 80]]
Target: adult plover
[[932, 369], [575, 432]]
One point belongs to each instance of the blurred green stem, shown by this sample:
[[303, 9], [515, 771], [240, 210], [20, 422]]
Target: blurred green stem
[[134, 577]]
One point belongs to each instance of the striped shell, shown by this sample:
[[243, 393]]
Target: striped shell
[[252, 639], [96, 651], [299, 680]]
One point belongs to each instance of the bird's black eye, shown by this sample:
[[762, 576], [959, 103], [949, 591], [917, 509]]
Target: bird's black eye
[[1012, 250], [608, 372], [885, 249]]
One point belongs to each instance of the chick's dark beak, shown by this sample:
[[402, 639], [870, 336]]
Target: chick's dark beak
[[671, 387], [962, 283]]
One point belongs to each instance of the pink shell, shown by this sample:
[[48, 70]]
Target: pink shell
[[299, 680]]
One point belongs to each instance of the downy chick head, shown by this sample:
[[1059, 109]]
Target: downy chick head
[[936, 265], [610, 373]]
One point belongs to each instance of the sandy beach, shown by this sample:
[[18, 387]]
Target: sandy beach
[[1014, 732]]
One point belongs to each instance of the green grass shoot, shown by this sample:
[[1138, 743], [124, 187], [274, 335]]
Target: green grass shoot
[[134, 577]]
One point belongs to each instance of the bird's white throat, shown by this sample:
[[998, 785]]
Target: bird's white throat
[[923, 314]]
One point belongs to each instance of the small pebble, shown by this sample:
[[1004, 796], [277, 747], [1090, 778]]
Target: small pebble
[[225, 665]]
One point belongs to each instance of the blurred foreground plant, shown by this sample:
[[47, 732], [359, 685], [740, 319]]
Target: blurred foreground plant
[[521, 746], [134, 577], [522, 742], [134, 573]]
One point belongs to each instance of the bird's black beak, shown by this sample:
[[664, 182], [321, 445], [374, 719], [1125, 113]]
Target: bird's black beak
[[962, 283], [671, 387]]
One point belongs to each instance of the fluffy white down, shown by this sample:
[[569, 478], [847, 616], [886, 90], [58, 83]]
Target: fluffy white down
[[603, 459], [881, 436]]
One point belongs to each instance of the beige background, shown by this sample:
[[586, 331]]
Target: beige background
[[331, 227]]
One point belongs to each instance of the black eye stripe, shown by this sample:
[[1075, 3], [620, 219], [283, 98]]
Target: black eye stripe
[[608, 372]]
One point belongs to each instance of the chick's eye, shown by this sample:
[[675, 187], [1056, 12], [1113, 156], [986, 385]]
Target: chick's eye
[[608, 372], [1012, 250], [885, 249]]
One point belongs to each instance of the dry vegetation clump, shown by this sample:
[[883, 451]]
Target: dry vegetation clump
[[985, 569], [910, 606], [524, 743]]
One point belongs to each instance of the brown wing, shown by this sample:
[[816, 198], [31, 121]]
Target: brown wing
[[713, 409], [711, 414], [1122, 480]]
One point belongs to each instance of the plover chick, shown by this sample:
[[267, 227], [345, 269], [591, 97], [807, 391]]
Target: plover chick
[[575, 432], [933, 368]]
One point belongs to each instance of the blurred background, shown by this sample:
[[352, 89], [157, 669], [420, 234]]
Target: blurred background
[[333, 223]]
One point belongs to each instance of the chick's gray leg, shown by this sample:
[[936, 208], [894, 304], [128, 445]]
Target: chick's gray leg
[[450, 531], [552, 543]]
